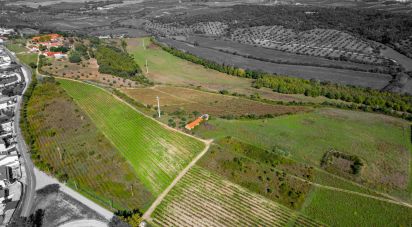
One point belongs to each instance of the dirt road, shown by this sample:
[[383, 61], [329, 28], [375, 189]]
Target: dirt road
[[159, 199]]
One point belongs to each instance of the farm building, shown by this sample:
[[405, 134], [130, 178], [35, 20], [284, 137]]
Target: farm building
[[56, 55], [196, 122]]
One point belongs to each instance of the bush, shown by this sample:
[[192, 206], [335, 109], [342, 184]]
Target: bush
[[74, 57]]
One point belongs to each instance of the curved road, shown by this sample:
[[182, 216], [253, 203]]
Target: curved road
[[26, 202], [85, 223]]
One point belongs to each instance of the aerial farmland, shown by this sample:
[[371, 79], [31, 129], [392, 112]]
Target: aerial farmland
[[228, 113]]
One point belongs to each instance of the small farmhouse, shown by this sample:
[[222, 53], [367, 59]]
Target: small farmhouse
[[196, 122]]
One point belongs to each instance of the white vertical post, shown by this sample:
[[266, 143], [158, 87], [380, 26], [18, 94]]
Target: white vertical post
[[147, 68], [158, 105]]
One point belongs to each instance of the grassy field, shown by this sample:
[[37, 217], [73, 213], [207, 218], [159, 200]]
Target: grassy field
[[382, 142], [202, 198], [16, 45], [156, 153], [70, 144], [27, 58], [168, 69], [264, 172], [342, 209], [184, 99]]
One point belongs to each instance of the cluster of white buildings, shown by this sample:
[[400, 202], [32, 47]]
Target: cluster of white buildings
[[5, 60], [10, 164]]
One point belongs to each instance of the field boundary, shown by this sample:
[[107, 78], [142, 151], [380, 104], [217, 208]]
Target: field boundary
[[159, 199], [134, 108]]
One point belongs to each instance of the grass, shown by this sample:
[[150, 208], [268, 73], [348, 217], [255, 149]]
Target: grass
[[16, 45], [264, 172], [68, 141], [168, 69], [174, 99], [203, 198], [156, 153], [341, 209], [383, 142], [27, 58]]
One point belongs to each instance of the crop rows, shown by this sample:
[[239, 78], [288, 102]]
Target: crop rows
[[174, 29], [202, 198], [316, 42], [156, 153], [68, 142]]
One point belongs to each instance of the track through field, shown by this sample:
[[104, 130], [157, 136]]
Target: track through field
[[157, 153]]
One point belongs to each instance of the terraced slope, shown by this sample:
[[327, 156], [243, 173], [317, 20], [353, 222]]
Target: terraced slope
[[202, 198], [156, 153]]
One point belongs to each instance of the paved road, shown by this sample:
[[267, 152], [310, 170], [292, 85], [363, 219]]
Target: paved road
[[44, 179], [84, 223], [26, 203]]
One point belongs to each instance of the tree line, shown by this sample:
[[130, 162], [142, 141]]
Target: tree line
[[377, 101]]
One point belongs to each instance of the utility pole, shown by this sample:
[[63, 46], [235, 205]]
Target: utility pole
[[60, 153], [158, 105], [147, 68]]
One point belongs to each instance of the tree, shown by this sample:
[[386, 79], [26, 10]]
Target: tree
[[74, 57], [124, 45]]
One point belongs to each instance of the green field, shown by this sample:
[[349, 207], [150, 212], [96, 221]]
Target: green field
[[168, 69], [203, 198], [68, 145], [16, 45], [27, 58], [156, 153], [382, 142], [342, 209]]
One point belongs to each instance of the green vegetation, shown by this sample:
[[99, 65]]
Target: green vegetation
[[28, 59], [169, 69], [204, 198], [382, 142], [114, 61], [371, 100], [64, 142], [259, 170], [342, 209], [157, 154], [377, 100], [59, 49], [16, 45], [75, 57]]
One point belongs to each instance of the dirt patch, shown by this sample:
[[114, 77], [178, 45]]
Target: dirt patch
[[86, 70], [185, 100]]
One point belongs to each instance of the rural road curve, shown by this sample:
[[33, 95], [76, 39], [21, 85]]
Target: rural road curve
[[26, 203], [84, 223], [45, 179], [148, 213]]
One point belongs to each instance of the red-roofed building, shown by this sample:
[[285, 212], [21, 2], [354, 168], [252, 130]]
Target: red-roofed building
[[196, 122], [54, 54]]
